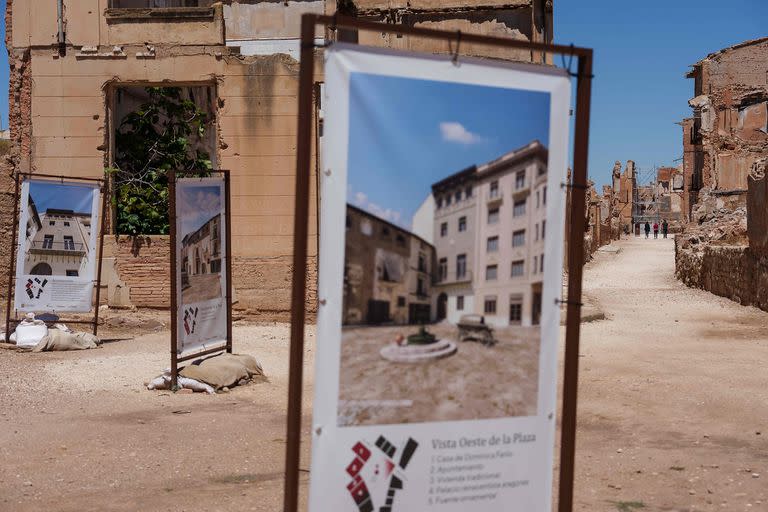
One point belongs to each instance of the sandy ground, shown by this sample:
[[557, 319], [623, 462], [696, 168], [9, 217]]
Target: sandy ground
[[477, 382], [78, 431], [673, 410], [673, 402]]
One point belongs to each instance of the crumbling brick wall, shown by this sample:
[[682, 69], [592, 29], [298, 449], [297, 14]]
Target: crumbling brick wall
[[143, 264], [724, 249], [20, 127]]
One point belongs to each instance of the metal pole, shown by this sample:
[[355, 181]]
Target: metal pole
[[174, 305], [575, 268], [300, 230], [228, 256], [104, 197], [12, 265]]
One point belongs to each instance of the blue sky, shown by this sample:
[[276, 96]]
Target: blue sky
[[63, 197], [197, 205], [406, 134], [642, 52]]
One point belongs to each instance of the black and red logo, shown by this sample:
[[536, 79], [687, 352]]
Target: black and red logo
[[34, 287], [190, 320], [387, 468]]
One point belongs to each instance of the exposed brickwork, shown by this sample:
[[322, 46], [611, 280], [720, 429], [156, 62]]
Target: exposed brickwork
[[143, 264]]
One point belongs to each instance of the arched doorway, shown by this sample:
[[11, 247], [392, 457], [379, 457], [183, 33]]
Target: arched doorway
[[41, 269], [442, 306]]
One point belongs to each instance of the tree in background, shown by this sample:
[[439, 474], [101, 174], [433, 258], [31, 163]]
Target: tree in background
[[163, 134]]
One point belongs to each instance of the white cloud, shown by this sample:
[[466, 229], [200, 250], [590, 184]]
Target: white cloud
[[360, 199], [455, 132]]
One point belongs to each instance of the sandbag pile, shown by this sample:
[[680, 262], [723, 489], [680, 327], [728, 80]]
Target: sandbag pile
[[213, 373], [56, 340]]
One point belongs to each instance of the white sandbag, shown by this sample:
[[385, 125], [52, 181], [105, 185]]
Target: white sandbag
[[164, 382], [29, 332]]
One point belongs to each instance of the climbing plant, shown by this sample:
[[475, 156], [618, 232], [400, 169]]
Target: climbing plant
[[164, 133]]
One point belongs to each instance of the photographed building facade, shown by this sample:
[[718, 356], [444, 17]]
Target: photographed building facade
[[201, 249], [60, 245], [388, 272], [489, 230], [73, 75]]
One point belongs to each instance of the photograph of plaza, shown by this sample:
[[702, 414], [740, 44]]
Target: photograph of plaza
[[443, 266]]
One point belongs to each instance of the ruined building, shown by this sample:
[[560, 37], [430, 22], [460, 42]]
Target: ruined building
[[724, 248], [77, 67]]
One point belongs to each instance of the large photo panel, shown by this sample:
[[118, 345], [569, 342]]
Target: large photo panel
[[56, 255], [441, 250], [201, 263]]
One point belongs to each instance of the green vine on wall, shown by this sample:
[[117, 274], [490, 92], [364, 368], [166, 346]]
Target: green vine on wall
[[162, 134]]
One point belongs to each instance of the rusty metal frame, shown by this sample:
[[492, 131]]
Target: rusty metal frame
[[176, 358], [301, 221], [11, 291]]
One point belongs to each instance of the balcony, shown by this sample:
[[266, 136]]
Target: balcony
[[454, 278], [66, 248], [494, 198]]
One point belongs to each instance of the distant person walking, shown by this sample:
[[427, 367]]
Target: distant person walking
[[665, 228], [655, 230], [647, 229]]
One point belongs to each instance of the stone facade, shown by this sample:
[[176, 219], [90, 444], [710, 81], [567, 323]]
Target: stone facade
[[64, 83], [388, 273]]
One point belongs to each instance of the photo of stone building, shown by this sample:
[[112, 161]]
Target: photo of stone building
[[489, 226], [200, 239], [201, 258], [388, 272], [57, 239]]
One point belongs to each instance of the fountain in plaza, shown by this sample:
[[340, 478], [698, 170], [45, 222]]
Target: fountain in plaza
[[417, 348]]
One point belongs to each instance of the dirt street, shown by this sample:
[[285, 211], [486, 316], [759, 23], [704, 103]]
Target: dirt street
[[673, 409], [673, 403]]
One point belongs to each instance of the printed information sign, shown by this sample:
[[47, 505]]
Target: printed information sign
[[56, 258], [201, 264], [441, 257]]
